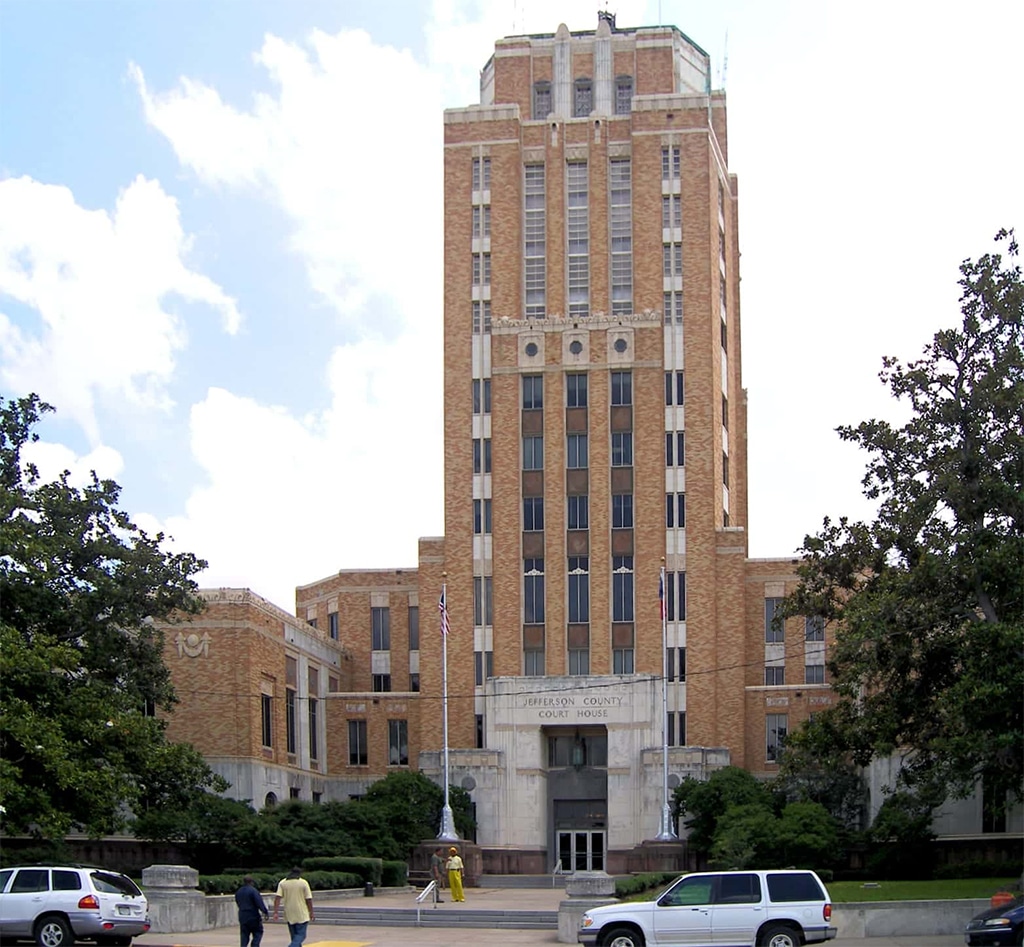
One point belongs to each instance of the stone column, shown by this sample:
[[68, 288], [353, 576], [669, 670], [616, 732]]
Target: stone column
[[175, 906], [586, 889]]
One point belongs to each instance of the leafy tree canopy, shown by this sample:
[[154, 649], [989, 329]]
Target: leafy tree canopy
[[703, 803], [928, 599], [80, 660]]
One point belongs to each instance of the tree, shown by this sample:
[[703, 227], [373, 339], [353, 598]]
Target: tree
[[705, 802], [80, 659], [411, 804], [928, 599]]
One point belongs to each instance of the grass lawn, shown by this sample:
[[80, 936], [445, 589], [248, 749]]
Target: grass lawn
[[947, 889]]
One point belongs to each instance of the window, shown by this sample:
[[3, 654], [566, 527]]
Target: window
[[414, 683], [481, 455], [357, 743], [481, 396], [670, 449], [398, 743], [622, 388], [774, 675], [479, 731], [579, 511], [533, 663], [725, 469], [794, 886], [481, 174], [673, 308], [682, 664], [671, 212], [622, 449], [29, 880], [266, 713], [675, 510], [725, 412], [583, 98], [541, 100], [774, 629], [311, 622], [313, 713], [533, 392], [61, 881], [290, 721], [294, 792], [776, 727], [533, 591], [482, 221], [533, 452], [814, 674], [380, 620], [814, 628], [534, 237], [725, 337], [579, 590], [670, 163], [578, 238], [673, 388], [622, 661], [671, 260], [675, 596], [576, 451], [623, 95], [680, 449], [483, 666], [533, 514], [620, 211], [576, 390], [622, 510], [481, 516], [381, 684], [414, 628], [579, 661], [481, 269], [481, 316], [622, 590], [483, 600], [332, 625]]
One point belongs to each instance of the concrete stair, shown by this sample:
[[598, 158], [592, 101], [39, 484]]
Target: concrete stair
[[429, 916]]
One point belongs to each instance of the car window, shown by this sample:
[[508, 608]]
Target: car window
[[31, 879], [5, 876], [109, 883], [688, 891], [738, 889], [798, 886], [64, 880]]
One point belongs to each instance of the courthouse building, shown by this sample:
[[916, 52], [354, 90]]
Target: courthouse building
[[595, 433]]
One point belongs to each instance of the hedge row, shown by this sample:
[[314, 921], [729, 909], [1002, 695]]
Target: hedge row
[[978, 869], [368, 869], [645, 881], [267, 881]]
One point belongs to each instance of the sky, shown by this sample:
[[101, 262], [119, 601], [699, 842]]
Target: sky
[[221, 259]]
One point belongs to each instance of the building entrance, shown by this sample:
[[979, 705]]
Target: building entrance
[[581, 851]]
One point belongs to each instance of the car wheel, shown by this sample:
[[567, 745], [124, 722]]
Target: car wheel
[[53, 931], [780, 936], [623, 937]]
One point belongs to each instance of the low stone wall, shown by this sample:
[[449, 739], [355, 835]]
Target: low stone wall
[[905, 918]]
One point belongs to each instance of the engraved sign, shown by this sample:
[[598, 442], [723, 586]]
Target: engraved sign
[[572, 708]]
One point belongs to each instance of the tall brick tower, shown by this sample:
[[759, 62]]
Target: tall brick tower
[[595, 427]]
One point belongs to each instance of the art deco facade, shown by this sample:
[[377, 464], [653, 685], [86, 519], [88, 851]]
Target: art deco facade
[[595, 432]]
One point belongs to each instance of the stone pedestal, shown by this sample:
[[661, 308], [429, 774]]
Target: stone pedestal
[[175, 906], [586, 890]]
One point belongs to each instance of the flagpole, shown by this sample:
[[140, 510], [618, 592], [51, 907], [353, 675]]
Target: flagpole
[[667, 832], [447, 833]]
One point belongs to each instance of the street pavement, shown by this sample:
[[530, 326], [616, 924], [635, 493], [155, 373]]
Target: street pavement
[[491, 899]]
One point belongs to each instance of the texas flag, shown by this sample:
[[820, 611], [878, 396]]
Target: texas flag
[[661, 594]]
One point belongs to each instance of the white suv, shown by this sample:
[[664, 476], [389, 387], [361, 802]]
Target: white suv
[[56, 905], [721, 908]]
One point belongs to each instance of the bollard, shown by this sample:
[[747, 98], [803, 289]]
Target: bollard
[[368, 890]]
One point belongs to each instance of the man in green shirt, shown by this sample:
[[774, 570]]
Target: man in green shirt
[[298, 905]]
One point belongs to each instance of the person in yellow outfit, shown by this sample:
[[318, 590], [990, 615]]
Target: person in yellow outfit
[[455, 869]]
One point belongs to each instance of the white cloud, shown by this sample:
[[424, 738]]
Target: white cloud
[[52, 460], [100, 284]]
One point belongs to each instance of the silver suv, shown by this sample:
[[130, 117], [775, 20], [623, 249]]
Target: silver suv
[[56, 905], [721, 908]]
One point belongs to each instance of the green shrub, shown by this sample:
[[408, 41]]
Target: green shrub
[[980, 869], [394, 874], [368, 869], [645, 881], [268, 881]]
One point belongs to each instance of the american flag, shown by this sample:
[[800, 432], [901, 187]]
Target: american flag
[[443, 607], [661, 594]]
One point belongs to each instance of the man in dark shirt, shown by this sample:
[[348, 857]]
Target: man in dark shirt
[[251, 912]]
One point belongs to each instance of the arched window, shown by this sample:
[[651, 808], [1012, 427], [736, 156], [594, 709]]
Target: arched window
[[270, 800], [583, 98], [541, 99]]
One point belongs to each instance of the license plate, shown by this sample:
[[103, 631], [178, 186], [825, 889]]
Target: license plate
[[124, 909]]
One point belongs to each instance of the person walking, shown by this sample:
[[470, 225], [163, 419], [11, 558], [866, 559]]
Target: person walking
[[455, 870], [252, 910], [436, 873], [298, 905]]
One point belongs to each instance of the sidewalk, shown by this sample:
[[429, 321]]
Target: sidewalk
[[323, 934]]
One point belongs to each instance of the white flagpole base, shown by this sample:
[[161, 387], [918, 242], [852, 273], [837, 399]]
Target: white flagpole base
[[667, 833], [448, 833]]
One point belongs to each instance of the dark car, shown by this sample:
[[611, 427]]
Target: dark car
[[997, 926]]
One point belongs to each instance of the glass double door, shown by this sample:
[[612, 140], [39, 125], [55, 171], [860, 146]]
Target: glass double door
[[580, 850]]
